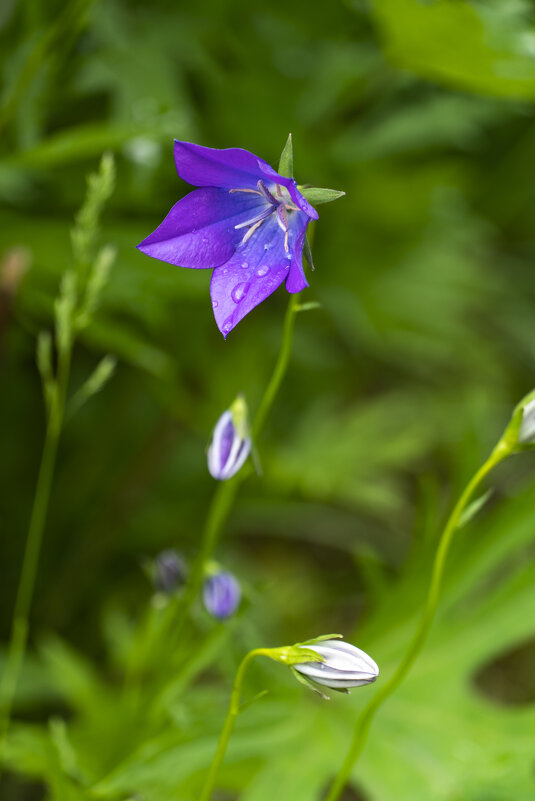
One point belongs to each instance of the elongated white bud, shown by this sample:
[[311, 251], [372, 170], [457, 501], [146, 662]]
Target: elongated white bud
[[344, 666]]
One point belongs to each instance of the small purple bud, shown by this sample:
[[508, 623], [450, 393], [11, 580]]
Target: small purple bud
[[221, 595], [231, 443], [169, 572]]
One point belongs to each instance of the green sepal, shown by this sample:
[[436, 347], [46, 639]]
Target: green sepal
[[307, 252], [509, 443], [309, 684], [293, 655], [317, 195], [286, 161], [322, 638]]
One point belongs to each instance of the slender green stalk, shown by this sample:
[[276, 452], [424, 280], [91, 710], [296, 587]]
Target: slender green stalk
[[366, 717], [25, 591], [228, 726], [226, 491]]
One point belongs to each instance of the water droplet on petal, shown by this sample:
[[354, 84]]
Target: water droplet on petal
[[267, 246], [204, 240], [225, 270], [227, 326], [215, 304], [264, 270], [245, 265], [239, 292]]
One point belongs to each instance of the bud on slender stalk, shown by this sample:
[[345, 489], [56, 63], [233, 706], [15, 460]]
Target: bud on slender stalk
[[221, 594], [169, 572], [343, 666], [231, 442]]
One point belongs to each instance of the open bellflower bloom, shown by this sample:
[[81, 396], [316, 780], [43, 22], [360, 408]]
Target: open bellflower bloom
[[344, 666], [221, 594], [244, 220], [231, 443]]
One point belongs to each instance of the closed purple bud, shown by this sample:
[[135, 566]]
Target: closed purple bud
[[231, 443], [344, 666], [221, 595], [169, 572]]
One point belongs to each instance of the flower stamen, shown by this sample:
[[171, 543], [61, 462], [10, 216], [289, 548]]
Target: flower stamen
[[251, 231]]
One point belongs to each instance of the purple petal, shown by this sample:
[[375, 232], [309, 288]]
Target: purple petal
[[229, 168], [199, 230], [296, 280], [257, 269], [232, 168]]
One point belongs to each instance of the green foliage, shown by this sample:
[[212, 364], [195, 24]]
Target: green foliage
[[403, 379]]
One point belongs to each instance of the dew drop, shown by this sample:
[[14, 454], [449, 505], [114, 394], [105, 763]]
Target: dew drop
[[239, 292], [227, 325], [267, 246], [245, 265], [262, 271], [204, 240], [215, 304], [225, 270]]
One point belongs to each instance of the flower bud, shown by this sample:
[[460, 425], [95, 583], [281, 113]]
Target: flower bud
[[221, 594], [168, 572], [231, 443], [343, 666]]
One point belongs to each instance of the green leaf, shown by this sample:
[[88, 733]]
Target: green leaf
[[316, 195], [473, 508], [96, 381], [310, 306], [473, 46], [286, 161]]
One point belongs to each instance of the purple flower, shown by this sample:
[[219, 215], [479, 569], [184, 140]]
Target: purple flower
[[231, 443], [221, 595], [245, 220]]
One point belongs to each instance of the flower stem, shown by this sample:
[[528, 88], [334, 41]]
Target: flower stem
[[25, 591], [226, 491], [228, 726], [366, 717]]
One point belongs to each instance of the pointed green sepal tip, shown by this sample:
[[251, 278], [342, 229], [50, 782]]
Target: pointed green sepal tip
[[286, 161], [322, 638], [309, 684], [316, 195]]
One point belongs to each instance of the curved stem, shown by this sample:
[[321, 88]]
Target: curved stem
[[228, 726], [226, 491], [366, 717], [23, 602], [280, 367]]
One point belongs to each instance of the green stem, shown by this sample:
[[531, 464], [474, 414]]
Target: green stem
[[366, 717], [25, 591], [232, 714], [225, 494]]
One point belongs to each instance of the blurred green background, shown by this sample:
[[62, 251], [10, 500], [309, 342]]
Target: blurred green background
[[399, 386]]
